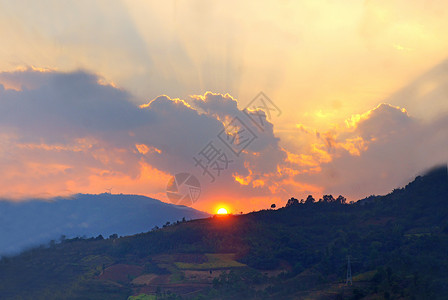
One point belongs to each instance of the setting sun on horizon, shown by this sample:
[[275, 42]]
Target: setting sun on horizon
[[222, 211]]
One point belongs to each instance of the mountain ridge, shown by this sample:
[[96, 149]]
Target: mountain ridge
[[34, 221]]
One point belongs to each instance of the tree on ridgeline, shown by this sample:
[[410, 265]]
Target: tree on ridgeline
[[328, 199], [292, 201], [309, 199], [341, 200]]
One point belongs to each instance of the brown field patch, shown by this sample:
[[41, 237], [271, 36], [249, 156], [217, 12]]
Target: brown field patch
[[144, 279], [202, 276], [121, 273]]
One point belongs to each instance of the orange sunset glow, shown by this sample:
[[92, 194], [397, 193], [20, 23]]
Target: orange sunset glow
[[270, 100]]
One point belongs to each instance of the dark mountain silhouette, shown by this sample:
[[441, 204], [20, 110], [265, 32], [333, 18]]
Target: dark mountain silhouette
[[33, 222], [397, 245]]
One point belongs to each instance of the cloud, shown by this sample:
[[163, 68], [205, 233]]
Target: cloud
[[71, 132], [55, 106], [63, 133], [264, 155], [376, 151]]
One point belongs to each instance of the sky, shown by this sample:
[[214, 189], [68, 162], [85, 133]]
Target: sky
[[123, 95]]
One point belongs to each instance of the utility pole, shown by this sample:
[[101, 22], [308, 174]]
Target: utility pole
[[349, 272]]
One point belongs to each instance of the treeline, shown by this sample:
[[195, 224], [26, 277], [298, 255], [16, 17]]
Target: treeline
[[310, 200]]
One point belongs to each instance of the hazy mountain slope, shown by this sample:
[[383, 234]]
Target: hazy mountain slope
[[29, 223], [398, 246]]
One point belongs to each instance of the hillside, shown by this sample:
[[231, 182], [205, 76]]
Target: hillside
[[33, 222], [397, 244]]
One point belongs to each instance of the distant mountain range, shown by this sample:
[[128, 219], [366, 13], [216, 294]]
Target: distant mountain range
[[29, 223]]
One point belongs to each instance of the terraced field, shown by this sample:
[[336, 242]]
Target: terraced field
[[214, 262], [183, 274]]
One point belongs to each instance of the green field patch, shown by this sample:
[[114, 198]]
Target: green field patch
[[215, 261]]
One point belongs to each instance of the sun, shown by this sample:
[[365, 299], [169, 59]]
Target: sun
[[222, 211]]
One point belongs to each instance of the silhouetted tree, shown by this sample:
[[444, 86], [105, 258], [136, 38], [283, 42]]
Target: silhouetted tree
[[328, 198], [309, 199], [273, 205], [341, 200], [291, 202]]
